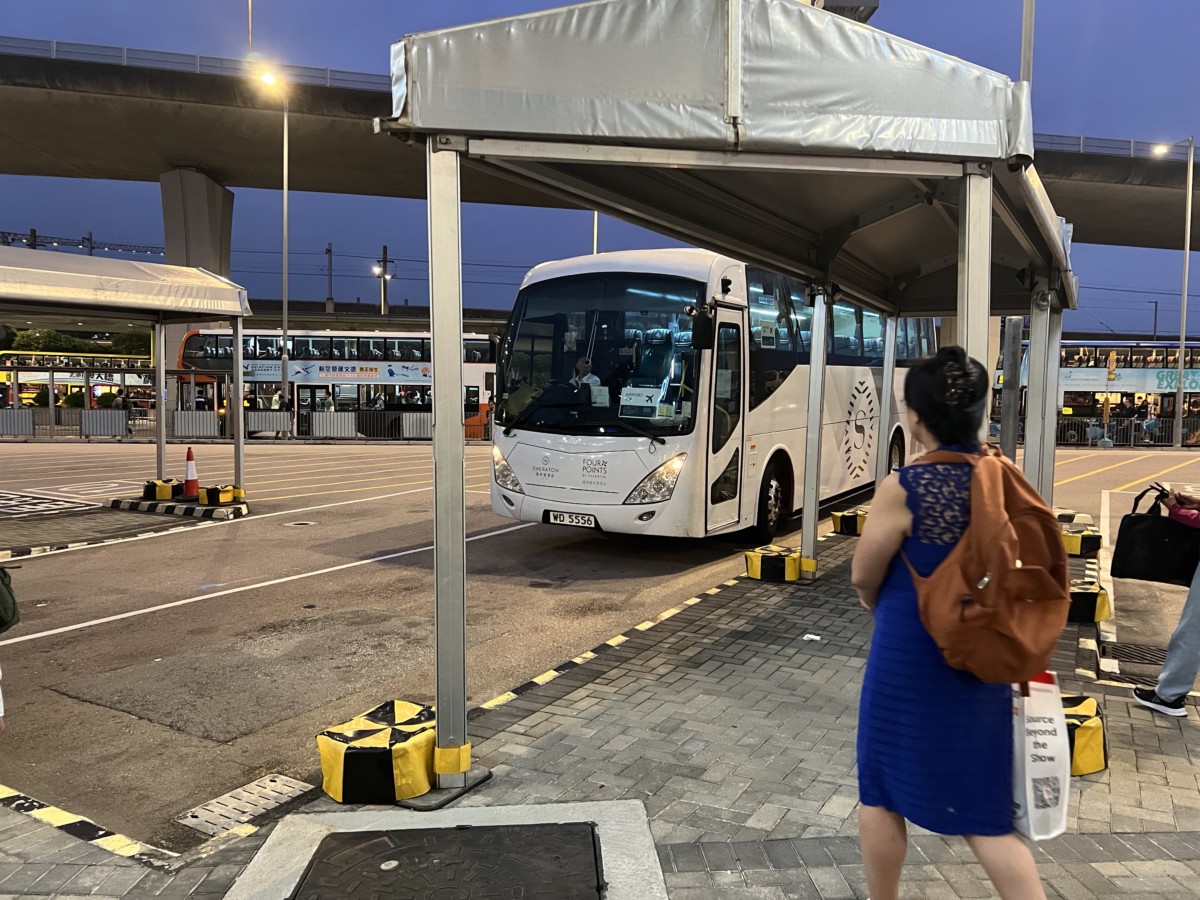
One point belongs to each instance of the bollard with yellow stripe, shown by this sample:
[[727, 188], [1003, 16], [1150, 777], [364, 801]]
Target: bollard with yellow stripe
[[1085, 734], [162, 489], [1089, 602], [777, 563], [1081, 541], [382, 756], [850, 522]]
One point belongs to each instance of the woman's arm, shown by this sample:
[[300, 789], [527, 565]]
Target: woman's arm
[[888, 524]]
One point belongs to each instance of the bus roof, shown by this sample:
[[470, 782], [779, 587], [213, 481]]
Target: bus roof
[[686, 262]]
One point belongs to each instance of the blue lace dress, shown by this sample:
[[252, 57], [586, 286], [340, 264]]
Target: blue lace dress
[[934, 743]]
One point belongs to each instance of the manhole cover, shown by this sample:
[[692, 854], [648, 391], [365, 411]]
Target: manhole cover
[[298, 524], [500, 862], [1133, 653], [240, 806]]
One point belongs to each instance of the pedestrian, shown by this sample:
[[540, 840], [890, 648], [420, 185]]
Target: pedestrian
[[1178, 677], [277, 402], [583, 373], [119, 402], [935, 744]]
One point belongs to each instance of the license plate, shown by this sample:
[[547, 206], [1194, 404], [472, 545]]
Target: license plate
[[578, 519]]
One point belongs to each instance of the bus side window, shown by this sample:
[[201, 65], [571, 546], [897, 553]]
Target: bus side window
[[902, 339], [772, 346], [845, 337], [872, 329]]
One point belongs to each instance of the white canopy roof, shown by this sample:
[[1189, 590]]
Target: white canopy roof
[[648, 72], [768, 130], [47, 283]]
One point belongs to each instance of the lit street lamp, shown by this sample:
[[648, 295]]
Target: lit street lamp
[[1160, 150], [276, 85]]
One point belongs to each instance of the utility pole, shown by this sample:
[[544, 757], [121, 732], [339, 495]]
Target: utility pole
[[32, 238], [88, 243], [329, 272], [1027, 42]]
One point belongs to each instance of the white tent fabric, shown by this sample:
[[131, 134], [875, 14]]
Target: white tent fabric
[[82, 282], [759, 75]]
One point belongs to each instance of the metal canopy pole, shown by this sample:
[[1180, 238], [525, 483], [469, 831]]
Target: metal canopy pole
[[1187, 257], [1010, 390], [812, 447], [50, 398], [452, 756], [1036, 411], [160, 396], [886, 396], [975, 261], [237, 408], [1050, 403]]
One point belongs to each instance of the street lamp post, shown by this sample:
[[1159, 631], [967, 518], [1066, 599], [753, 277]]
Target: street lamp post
[[276, 83], [384, 275], [1187, 257]]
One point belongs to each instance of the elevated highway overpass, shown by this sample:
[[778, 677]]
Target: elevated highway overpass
[[83, 111]]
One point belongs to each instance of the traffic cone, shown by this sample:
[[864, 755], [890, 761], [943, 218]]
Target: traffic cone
[[191, 483]]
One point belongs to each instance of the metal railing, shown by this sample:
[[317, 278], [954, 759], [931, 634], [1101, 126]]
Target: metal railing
[[184, 62], [1090, 432], [1070, 143]]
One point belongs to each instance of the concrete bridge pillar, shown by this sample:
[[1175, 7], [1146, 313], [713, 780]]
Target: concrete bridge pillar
[[198, 231]]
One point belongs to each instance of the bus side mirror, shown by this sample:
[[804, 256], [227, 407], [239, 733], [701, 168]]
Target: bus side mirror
[[704, 331]]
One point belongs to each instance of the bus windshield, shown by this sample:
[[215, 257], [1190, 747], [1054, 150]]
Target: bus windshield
[[601, 353]]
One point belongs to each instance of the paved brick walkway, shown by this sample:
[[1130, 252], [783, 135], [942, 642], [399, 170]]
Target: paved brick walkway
[[736, 730], [87, 525]]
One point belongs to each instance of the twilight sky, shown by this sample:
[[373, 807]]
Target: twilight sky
[[1104, 68]]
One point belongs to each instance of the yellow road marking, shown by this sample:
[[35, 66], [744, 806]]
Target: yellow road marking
[[251, 498], [1150, 478], [499, 701], [52, 815], [1104, 469], [1063, 462], [118, 844]]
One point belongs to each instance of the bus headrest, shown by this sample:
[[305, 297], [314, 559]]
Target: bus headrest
[[683, 339], [658, 336], [633, 334]]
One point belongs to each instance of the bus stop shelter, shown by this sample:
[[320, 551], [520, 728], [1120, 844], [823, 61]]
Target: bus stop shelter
[[769, 130], [68, 292]]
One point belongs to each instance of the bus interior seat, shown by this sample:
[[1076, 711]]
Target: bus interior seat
[[683, 340], [633, 335]]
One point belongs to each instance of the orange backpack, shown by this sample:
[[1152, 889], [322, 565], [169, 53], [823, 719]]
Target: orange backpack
[[998, 603]]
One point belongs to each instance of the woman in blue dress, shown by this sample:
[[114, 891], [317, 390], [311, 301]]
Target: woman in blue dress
[[934, 743]]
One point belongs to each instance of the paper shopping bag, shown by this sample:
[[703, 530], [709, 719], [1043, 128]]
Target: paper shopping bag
[[1041, 759]]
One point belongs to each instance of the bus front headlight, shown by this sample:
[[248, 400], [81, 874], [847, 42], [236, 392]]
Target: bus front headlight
[[659, 485], [505, 477]]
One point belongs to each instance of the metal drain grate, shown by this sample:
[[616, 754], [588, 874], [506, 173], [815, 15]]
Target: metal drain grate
[[1133, 653], [246, 803]]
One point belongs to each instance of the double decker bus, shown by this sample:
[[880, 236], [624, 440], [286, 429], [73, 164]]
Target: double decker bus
[[612, 415], [1134, 380], [343, 371], [24, 374]]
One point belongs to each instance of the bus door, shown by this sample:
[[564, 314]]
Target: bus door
[[726, 422]]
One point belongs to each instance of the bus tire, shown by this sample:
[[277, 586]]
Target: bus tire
[[895, 453], [772, 503]]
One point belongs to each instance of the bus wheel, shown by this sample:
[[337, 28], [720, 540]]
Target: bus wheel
[[896, 454], [771, 499]]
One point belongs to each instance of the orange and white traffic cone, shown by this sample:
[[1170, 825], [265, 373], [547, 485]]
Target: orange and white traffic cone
[[191, 483]]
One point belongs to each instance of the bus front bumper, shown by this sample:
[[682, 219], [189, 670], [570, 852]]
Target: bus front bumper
[[648, 518]]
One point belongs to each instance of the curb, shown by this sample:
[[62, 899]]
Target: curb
[[235, 511], [26, 552], [84, 829]]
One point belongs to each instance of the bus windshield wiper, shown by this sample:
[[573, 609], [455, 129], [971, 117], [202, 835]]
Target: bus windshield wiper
[[641, 432], [527, 413]]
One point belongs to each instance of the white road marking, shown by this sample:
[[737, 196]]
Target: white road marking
[[249, 587], [219, 522]]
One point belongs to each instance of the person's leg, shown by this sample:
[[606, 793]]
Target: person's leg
[[883, 837], [1183, 653], [1010, 866]]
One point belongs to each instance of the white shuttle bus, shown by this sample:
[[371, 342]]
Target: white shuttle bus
[[624, 406]]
